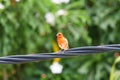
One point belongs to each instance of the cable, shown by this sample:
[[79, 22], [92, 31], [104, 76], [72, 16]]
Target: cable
[[19, 59]]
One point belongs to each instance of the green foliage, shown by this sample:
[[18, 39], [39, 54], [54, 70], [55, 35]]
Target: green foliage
[[24, 30], [115, 75]]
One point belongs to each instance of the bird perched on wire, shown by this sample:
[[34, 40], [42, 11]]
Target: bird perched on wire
[[62, 41]]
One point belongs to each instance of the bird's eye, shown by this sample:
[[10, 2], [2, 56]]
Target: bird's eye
[[59, 34]]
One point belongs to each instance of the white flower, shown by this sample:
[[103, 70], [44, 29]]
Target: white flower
[[56, 1], [50, 18], [65, 1], [61, 12], [2, 6], [56, 68], [17, 0], [60, 1]]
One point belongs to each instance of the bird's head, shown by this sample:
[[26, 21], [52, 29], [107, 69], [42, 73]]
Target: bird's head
[[59, 34]]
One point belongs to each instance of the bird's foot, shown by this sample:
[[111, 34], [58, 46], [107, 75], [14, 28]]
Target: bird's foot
[[62, 51]]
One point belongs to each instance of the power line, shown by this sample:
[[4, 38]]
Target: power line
[[18, 59]]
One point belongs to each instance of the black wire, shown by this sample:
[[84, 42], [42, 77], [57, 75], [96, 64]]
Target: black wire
[[18, 59]]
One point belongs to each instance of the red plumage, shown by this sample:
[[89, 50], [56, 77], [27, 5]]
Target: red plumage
[[62, 41]]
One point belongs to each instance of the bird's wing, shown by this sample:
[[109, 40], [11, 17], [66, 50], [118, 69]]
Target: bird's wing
[[67, 45]]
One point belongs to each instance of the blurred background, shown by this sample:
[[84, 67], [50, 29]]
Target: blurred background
[[30, 26]]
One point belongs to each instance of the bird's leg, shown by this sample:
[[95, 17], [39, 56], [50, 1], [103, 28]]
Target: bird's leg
[[62, 51]]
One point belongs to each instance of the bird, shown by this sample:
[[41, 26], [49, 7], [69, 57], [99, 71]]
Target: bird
[[62, 41]]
